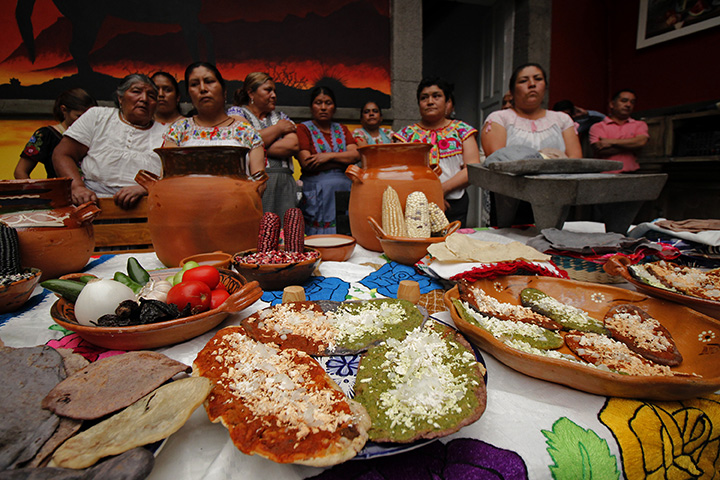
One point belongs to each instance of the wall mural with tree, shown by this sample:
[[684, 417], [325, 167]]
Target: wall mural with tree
[[48, 46]]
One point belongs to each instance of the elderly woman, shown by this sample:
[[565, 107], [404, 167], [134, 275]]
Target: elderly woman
[[326, 149], [68, 107], [371, 132], [256, 102], [527, 123], [111, 144], [454, 144], [212, 125], [168, 101]]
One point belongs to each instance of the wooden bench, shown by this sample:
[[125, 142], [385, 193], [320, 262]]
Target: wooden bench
[[122, 230]]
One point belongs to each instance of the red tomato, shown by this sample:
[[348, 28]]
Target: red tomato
[[204, 273], [218, 296], [194, 292]]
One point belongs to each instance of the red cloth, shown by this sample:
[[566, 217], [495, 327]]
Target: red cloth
[[517, 267]]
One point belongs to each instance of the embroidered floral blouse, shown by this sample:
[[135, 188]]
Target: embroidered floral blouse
[[186, 133], [447, 147]]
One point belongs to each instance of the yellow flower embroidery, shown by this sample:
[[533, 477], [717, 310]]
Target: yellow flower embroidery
[[666, 440]]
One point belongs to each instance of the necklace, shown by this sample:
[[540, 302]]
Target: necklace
[[217, 124], [128, 122]]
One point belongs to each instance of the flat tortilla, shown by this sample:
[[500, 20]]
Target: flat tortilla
[[279, 404], [133, 465], [152, 418], [111, 384], [333, 328], [459, 247], [24, 425], [428, 385]]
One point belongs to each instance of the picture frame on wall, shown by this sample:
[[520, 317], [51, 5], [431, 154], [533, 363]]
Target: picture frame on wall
[[663, 20]]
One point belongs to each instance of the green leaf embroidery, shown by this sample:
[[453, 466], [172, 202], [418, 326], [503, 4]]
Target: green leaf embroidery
[[579, 453]]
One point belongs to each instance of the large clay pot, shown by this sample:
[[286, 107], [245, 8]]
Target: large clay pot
[[203, 203], [402, 166], [54, 235]]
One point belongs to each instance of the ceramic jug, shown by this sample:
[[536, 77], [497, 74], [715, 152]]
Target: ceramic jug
[[402, 166], [54, 235], [203, 203]]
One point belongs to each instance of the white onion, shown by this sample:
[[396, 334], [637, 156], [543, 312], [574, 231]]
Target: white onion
[[100, 297]]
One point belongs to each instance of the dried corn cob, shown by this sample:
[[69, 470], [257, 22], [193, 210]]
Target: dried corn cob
[[294, 227], [9, 250], [438, 220], [417, 215], [393, 221], [269, 234]]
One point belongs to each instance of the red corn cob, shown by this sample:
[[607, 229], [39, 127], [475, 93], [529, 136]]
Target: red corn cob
[[269, 234], [294, 225]]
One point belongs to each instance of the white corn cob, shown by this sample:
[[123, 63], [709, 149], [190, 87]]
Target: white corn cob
[[393, 223], [417, 215], [438, 220]]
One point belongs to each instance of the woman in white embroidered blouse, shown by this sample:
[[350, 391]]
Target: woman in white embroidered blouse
[[527, 122]]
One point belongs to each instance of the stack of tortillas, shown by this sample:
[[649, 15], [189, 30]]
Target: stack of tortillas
[[459, 247]]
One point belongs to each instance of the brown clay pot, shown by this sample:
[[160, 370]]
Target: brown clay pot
[[402, 166], [203, 203], [54, 235]]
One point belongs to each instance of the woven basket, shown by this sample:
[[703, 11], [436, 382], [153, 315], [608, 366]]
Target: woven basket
[[585, 271]]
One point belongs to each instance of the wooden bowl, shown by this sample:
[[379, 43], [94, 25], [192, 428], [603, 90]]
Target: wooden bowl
[[214, 259], [618, 265], [154, 335], [406, 250], [14, 295], [332, 247], [276, 276], [695, 335]]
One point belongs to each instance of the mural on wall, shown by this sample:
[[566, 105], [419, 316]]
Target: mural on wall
[[48, 46], [662, 20]]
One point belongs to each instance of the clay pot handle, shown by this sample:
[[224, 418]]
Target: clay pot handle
[[86, 212], [452, 227], [243, 298], [617, 265], [354, 173], [437, 169], [259, 178], [379, 232], [146, 179]]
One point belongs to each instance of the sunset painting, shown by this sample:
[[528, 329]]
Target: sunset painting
[[47, 46]]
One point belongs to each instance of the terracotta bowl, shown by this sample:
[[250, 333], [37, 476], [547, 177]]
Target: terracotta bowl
[[154, 335], [277, 276], [692, 332], [14, 295], [214, 259], [332, 247], [406, 250]]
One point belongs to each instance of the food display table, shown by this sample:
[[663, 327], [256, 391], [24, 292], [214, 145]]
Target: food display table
[[530, 429], [551, 195]]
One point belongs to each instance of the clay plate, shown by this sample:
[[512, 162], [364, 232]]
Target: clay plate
[[332, 247], [141, 337], [214, 259], [696, 335], [407, 250], [618, 265], [14, 295], [276, 276]]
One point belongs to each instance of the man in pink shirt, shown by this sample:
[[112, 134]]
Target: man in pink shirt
[[619, 137]]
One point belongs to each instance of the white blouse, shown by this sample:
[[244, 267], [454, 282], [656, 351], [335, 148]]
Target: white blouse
[[116, 150], [545, 132]]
